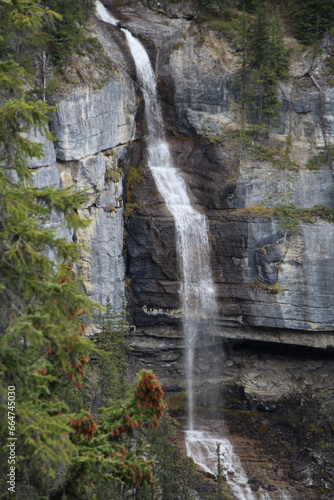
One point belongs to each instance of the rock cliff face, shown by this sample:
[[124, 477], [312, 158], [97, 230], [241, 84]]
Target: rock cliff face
[[274, 283], [273, 274], [94, 127], [274, 271]]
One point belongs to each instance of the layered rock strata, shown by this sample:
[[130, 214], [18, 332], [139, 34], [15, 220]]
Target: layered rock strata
[[197, 71]]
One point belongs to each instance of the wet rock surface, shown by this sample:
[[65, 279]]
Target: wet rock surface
[[276, 408], [245, 252], [199, 103]]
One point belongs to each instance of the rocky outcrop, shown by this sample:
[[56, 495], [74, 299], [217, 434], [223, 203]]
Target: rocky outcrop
[[272, 186], [282, 401], [183, 10], [103, 260], [259, 252], [90, 121], [93, 126], [273, 284]]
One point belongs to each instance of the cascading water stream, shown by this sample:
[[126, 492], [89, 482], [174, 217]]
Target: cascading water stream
[[198, 290], [202, 447]]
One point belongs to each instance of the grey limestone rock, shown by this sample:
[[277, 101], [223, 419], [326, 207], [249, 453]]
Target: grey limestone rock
[[103, 261], [328, 113], [260, 182], [47, 176], [185, 9], [268, 258], [103, 265], [49, 154], [91, 172], [89, 121]]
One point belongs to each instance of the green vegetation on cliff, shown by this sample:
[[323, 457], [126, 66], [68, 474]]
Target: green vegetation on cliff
[[290, 216], [256, 30], [257, 33], [309, 19], [31, 27], [66, 35], [42, 37], [266, 62]]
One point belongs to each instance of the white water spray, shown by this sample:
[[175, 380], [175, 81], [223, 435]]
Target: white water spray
[[202, 447], [104, 15]]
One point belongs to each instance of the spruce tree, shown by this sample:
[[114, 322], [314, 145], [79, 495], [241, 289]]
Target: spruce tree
[[66, 35], [278, 53], [174, 473], [311, 18], [108, 376], [44, 312], [265, 62]]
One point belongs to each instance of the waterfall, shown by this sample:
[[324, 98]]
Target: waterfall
[[104, 15], [199, 307], [192, 244], [193, 249], [202, 447]]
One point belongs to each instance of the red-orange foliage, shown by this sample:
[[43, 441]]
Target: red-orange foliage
[[85, 426], [145, 406]]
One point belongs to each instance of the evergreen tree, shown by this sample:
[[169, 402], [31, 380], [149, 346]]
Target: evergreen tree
[[66, 35], [260, 43], [265, 61], [106, 453], [108, 375], [242, 42], [264, 78], [311, 18], [278, 53], [42, 348], [40, 34], [174, 474], [43, 315], [41, 304], [21, 29]]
